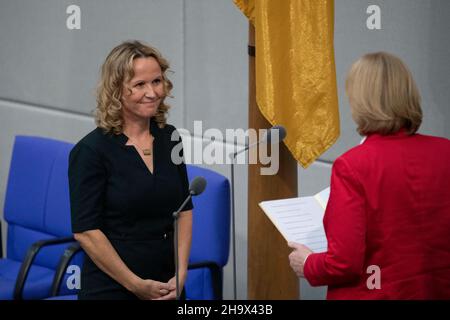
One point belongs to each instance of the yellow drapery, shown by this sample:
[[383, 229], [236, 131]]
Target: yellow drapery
[[295, 71]]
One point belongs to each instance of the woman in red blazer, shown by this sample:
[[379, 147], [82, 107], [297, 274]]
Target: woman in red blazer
[[388, 216]]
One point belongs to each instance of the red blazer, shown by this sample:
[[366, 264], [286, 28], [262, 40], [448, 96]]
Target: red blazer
[[389, 207]]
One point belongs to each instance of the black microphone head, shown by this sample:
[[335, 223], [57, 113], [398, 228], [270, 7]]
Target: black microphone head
[[277, 138], [197, 186]]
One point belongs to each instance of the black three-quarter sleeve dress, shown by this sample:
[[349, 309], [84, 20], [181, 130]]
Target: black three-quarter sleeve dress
[[112, 189]]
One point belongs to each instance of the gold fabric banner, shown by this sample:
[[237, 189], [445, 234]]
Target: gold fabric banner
[[295, 71]]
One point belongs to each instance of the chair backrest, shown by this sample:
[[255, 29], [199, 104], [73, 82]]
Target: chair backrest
[[211, 218], [37, 197], [210, 236]]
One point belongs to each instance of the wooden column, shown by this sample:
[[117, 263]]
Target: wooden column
[[269, 273]]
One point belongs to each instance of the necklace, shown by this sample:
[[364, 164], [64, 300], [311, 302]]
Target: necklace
[[146, 151]]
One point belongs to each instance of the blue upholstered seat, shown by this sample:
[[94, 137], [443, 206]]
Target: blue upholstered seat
[[36, 208], [37, 284]]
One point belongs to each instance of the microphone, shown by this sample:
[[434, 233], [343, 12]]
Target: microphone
[[196, 188], [272, 133], [271, 137]]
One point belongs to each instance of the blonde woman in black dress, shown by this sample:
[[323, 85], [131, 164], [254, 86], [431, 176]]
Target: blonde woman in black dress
[[124, 186]]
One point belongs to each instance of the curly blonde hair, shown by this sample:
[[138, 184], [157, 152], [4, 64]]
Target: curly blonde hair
[[117, 70]]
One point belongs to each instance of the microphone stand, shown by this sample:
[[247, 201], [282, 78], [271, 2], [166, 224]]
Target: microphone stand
[[176, 215], [233, 219]]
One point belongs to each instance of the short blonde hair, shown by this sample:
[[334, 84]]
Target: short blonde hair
[[383, 95], [118, 69]]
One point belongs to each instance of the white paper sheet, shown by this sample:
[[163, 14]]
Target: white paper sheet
[[300, 219]]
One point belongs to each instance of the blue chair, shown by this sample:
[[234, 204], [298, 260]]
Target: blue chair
[[37, 212], [210, 237]]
